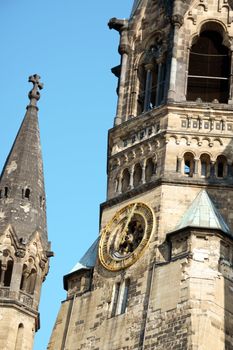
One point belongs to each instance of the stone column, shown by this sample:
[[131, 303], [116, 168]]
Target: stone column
[[143, 172], [195, 170], [186, 74], [37, 290], [133, 96], [179, 162], [158, 89], [119, 190], [147, 94], [177, 21], [131, 178], [118, 118], [123, 50], [16, 275], [25, 280], [230, 100], [3, 271]]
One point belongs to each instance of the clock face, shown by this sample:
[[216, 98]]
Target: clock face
[[124, 238]]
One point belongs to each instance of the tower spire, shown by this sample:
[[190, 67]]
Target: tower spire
[[24, 247], [22, 193]]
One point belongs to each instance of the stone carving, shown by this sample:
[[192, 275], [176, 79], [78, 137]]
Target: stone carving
[[177, 20], [34, 94], [157, 51]]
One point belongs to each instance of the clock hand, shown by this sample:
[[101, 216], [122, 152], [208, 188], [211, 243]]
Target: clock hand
[[129, 218]]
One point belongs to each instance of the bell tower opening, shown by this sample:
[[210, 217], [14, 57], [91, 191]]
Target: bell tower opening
[[152, 77], [209, 67]]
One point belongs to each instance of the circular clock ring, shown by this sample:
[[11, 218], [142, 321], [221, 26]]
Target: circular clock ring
[[124, 239]]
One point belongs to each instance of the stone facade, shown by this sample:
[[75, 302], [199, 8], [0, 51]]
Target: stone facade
[[172, 138]]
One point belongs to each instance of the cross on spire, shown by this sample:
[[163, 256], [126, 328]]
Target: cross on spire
[[34, 94]]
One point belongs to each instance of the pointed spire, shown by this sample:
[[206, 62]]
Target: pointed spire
[[22, 194], [203, 213]]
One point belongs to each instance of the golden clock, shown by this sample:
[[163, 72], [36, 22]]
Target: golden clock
[[124, 239]]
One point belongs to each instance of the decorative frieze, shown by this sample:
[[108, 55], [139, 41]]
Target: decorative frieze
[[206, 124], [135, 138]]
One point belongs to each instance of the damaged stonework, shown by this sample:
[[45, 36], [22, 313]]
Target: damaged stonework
[[11, 167], [26, 207]]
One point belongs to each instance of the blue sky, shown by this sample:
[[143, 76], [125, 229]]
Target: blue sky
[[69, 44]]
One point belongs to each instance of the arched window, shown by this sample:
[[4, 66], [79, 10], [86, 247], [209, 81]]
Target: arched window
[[209, 67], [31, 282], [28, 280], [8, 273], [205, 165], [150, 169], [152, 77], [221, 167], [150, 87], [188, 164], [23, 278], [125, 180], [19, 338], [137, 175]]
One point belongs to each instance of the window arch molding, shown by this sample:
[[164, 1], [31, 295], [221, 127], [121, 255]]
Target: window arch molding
[[209, 48], [182, 154], [212, 24], [205, 163], [188, 163]]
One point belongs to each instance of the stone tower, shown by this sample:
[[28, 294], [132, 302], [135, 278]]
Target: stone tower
[[160, 275], [24, 246]]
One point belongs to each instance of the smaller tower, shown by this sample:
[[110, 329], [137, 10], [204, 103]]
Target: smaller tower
[[24, 246]]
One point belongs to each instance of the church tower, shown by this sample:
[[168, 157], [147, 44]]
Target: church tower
[[24, 246], [160, 275]]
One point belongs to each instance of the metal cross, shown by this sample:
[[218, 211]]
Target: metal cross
[[34, 94]]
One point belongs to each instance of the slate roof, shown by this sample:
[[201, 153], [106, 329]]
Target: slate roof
[[89, 258], [203, 213]]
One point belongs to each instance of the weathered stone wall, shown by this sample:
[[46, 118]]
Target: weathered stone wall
[[10, 319]]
